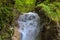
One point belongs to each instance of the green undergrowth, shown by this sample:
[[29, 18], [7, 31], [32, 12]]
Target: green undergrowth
[[25, 5], [6, 18], [8, 7], [52, 10]]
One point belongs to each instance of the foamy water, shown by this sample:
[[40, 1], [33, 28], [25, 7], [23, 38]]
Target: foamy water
[[29, 26]]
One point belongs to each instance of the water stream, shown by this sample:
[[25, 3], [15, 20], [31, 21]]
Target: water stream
[[29, 26]]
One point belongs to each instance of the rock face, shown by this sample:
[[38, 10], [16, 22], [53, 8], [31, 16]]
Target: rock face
[[29, 26]]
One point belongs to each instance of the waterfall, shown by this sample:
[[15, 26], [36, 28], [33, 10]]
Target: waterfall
[[29, 26]]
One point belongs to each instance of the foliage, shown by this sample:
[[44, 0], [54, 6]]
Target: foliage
[[52, 10], [6, 18], [25, 5], [50, 7]]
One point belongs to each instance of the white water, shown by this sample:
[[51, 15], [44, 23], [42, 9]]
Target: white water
[[29, 26]]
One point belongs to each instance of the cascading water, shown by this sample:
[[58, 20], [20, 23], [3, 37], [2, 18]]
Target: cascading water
[[29, 26]]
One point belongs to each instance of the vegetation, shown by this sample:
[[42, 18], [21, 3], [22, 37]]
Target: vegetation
[[6, 18], [24, 5], [51, 9]]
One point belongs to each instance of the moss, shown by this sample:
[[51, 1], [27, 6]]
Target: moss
[[6, 18], [24, 5], [51, 10]]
